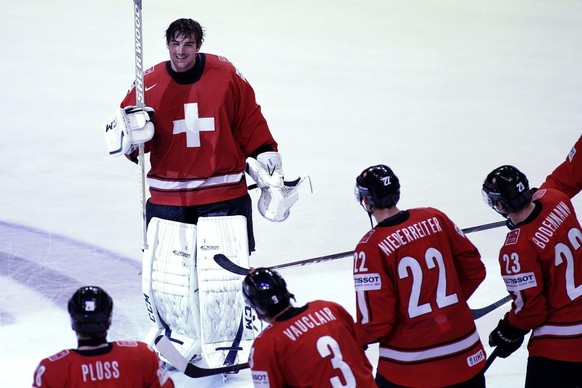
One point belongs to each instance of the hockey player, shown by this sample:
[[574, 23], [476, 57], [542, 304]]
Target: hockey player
[[413, 273], [202, 129], [540, 263], [567, 177], [206, 123], [96, 362], [310, 346]]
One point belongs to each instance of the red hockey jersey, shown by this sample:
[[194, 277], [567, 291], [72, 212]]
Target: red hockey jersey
[[413, 274], [316, 348], [123, 364], [541, 264], [206, 126], [567, 177]]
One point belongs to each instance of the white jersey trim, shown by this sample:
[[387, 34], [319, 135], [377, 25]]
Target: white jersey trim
[[562, 331], [422, 355], [195, 183]]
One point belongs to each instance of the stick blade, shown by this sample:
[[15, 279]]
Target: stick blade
[[174, 357], [228, 265]]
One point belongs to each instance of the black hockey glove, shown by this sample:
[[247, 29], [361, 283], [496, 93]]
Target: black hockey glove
[[506, 337]]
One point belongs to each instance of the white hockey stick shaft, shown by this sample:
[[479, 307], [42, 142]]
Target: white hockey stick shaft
[[140, 102]]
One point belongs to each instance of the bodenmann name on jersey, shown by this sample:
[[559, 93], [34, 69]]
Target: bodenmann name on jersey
[[302, 325], [549, 225], [409, 234]]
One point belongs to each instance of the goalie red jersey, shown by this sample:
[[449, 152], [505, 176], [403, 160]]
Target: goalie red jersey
[[413, 274], [541, 264], [207, 123], [122, 364], [315, 348]]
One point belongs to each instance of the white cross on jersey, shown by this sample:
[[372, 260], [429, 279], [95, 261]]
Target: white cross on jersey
[[193, 125]]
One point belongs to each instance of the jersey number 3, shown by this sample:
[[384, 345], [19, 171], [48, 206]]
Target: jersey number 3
[[327, 346]]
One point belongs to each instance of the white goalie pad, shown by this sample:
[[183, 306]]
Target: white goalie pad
[[170, 284], [227, 325]]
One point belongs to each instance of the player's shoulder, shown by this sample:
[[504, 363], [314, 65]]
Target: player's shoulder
[[322, 304], [132, 346], [549, 194], [216, 61], [58, 357], [221, 63], [265, 335], [426, 211], [156, 71]]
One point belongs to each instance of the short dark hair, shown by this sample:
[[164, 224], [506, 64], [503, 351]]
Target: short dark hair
[[185, 27]]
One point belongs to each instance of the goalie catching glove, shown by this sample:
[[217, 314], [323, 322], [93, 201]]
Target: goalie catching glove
[[277, 195], [130, 128]]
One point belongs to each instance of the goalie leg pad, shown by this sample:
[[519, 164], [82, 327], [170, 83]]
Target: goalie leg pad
[[221, 302], [170, 282]]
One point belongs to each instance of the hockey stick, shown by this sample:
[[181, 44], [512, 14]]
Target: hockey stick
[[228, 265], [478, 313], [479, 228], [140, 103], [490, 360], [174, 357]]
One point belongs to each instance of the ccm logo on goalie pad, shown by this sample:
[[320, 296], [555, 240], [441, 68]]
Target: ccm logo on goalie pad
[[367, 282], [520, 281]]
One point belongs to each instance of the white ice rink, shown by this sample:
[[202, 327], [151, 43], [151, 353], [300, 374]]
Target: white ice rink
[[443, 92]]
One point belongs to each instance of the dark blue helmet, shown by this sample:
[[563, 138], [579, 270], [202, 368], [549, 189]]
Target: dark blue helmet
[[379, 185], [266, 291], [90, 309], [508, 186]]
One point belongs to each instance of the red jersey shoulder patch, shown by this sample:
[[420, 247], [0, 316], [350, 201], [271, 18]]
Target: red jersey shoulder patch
[[127, 344], [59, 355], [367, 236], [538, 194], [512, 237]]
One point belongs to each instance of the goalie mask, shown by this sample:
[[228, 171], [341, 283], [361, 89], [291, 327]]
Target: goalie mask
[[90, 309], [266, 291], [509, 187], [379, 185]]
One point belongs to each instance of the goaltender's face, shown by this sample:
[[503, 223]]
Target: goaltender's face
[[182, 51]]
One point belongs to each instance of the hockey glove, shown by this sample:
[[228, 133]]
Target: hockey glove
[[506, 338], [131, 127], [277, 195]]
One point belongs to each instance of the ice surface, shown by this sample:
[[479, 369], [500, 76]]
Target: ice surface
[[443, 92]]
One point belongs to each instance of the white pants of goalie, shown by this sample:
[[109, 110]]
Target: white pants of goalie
[[189, 297]]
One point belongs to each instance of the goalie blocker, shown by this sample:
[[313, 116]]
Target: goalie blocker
[[130, 128], [191, 300]]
